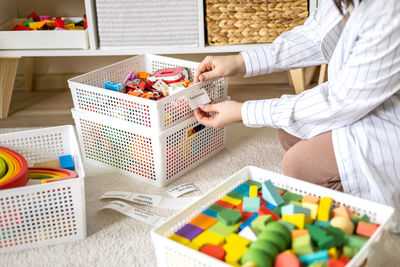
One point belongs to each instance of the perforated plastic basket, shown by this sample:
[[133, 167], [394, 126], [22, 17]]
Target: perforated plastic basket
[[171, 253], [43, 214], [89, 95], [147, 155]]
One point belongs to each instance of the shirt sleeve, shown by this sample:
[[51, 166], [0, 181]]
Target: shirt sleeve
[[369, 76]]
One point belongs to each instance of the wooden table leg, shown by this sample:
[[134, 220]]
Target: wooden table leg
[[322, 74], [29, 73], [297, 77], [8, 71]]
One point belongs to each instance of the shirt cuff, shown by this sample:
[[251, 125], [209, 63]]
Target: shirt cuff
[[247, 62], [257, 113]]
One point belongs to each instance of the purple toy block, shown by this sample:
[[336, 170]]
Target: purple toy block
[[189, 231], [43, 18]]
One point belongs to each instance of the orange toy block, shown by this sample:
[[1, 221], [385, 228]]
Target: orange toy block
[[215, 251], [297, 233], [342, 211], [224, 204], [335, 263], [143, 75], [203, 221], [344, 259], [310, 199], [366, 229], [286, 259]]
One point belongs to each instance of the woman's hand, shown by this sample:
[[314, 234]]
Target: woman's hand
[[226, 113], [219, 66]]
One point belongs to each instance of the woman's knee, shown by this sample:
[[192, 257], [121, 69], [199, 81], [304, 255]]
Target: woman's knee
[[292, 163], [287, 140]]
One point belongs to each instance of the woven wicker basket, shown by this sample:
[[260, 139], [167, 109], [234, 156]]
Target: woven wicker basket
[[257, 21]]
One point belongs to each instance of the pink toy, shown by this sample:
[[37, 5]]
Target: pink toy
[[169, 76], [43, 18]]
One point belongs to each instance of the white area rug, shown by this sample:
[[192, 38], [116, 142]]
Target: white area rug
[[116, 240]]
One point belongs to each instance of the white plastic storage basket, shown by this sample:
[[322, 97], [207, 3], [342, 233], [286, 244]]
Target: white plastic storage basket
[[43, 214], [153, 157], [171, 253], [88, 93]]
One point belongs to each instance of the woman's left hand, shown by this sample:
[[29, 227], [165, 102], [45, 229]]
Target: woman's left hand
[[226, 113]]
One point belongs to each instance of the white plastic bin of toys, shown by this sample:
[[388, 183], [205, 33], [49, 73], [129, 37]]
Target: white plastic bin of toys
[[171, 253], [89, 95], [43, 214], [153, 157]]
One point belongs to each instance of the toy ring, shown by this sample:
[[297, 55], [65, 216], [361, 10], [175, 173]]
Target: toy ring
[[15, 169], [50, 174]]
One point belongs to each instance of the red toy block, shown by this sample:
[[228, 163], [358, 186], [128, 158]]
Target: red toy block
[[225, 204], [59, 23], [215, 251], [21, 28], [34, 16], [280, 192], [245, 215], [366, 229], [285, 259], [84, 21], [335, 263], [263, 210], [344, 259]]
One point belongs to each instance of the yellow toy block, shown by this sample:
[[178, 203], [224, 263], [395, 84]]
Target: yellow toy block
[[234, 253], [70, 26], [290, 251], [333, 253], [208, 237], [37, 25], [236, 239], [324, 209], [194, 246], [299, 219], [179, 239], [231, 200], [253, 192], [312, 207], [310, 199]]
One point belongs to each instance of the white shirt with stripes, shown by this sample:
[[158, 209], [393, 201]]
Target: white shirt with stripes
[[360, 102]]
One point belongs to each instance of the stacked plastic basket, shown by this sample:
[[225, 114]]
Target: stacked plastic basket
[[152, 141]]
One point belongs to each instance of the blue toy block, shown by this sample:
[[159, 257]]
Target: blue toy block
[[270, 206], [66, 162], [243, 189], [270, 194], [248, 221], [321, 224], [211, 213], [113, 86], [251, 204], [293, 209], [308, 259]]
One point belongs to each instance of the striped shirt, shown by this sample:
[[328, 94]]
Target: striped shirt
[[360, 102]]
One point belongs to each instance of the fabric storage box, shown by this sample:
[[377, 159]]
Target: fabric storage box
[[153, 157], [43, 214], [89, 95], [244, 22], [171, 253], [135, 23], [46, 39]]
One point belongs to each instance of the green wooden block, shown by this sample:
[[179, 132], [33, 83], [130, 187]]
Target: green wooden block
[[222, 229], [297, 203], [280, 188], [276, 238], [356, 241], [338, 235], [280, 229], [217, 208], [258, 257], [229, 216], [349, 252], [320, 237], [259, 223], [365, 218], [288, 225], [265, 246], [278, 210], [302, 245], [318, 264], [251, 182], [235, 195], [288, 196]]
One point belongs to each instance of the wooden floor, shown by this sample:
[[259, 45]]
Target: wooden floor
[[53, 107]]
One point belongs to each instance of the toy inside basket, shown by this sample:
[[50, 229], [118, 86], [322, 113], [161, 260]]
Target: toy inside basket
[[172, 253], [89, 95]]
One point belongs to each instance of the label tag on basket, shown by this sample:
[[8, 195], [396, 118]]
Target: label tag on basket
[[150, 200], [138, 214], [199, 97], [182, 189]]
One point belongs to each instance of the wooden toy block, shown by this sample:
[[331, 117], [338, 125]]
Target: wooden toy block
[[355, 241], [234, 252], [203, 221], [237, 240], [245, 215], [297, 233], [299, 220], [333, 253], [289, 196], [235, 195], [231, 200], [302, 245], [320, 237], [286, 259], [318, 256], [288, 225], [266, 246], [350, 252], [366, 229], [225, 204], [280, 229], [208, 237], [321, 224], [259, 223], [253, 191], [242, 189], [251, 204], [194, 246], [270, 194], [342, 211], [310, 199], [189, 231], [229, 216], [251, 182], [216, 208], [48, 164], [276, 210], [211, 213], [214, 251], [222, 229], [34, 16], [335, 263], [66, 162], [297, 203], [345, 224], [263, 210], [259, 258], [280, 192], [312, 207], [294, 209], [365, 218], [277, 239], [272, 206], [338, 235], [179, 239], [344, 259], [324, 209], [248, 233], [248, 221]]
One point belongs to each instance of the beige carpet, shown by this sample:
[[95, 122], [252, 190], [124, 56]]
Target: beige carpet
[[116, 240]]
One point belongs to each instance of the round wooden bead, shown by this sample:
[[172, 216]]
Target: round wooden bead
[[345, 224], [258, 257], [285, 259]]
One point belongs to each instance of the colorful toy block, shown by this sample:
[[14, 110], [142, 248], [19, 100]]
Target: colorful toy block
[[225, 204], [66, 162], [299, 220], [333, 253], [342, 211], [236, 239], [194, 246], [253, 191], [251, 182], [208, 237], [242, 189], [276, 238], [245, 215], [203, 221], [345, 224], [231, 200], [222, 229], [211, 213], [338, 235], [248, 221], [294, 209], [324, 209], [344, 259], [263, 210], [355, 241], [280, 229], [349, 252], [288, 225], [289, 196], [321, 255], [214, 251], [272, 206], [302, 245], [234, 252], [366, 229], [229, 216], [118, 87], [251, 204], [313, 209], [335, 263], [34, 16], [248, 233], [258, 257], [286, 259], [321, 224], [260, 223], [235, 195], [266, 246], [270, 194], [179, 239], [189, 231], [297, 233], [320, 237], [310, 199], [216, 208]]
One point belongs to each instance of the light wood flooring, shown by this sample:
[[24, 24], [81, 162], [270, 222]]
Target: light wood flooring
[[53, 107]]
